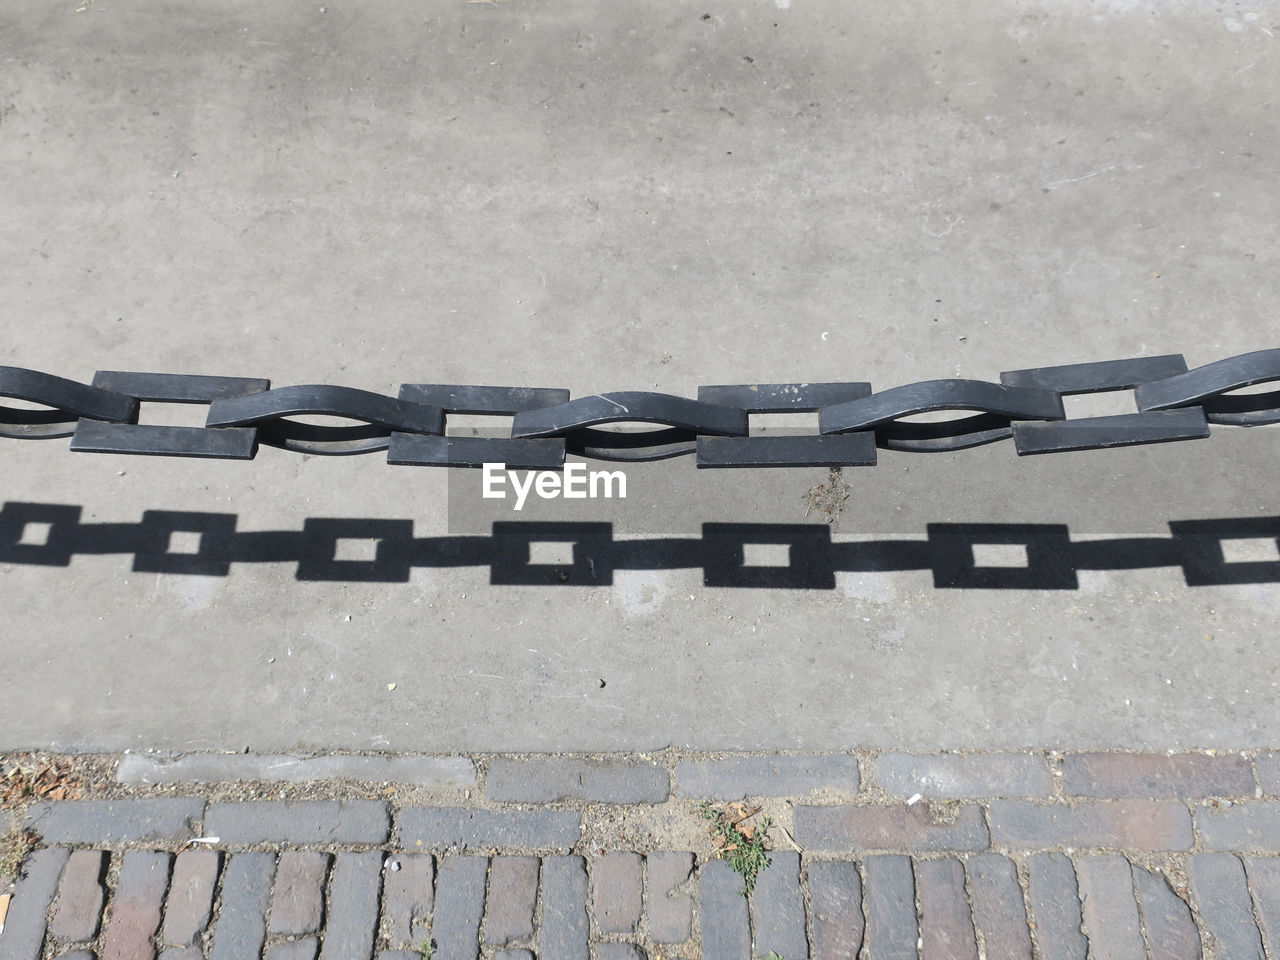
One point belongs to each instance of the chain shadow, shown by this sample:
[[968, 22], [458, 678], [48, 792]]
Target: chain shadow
[[732, 555]]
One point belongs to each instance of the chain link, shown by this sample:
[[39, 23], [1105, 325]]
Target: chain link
[[1171, 401]]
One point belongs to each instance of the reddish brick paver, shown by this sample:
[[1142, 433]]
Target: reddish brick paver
[[911, 829], [1113, 824], [1157, 775], [946, 926], [80, 897], [136, 909]]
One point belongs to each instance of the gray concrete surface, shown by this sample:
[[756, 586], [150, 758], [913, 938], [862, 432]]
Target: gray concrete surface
[[649, 196]]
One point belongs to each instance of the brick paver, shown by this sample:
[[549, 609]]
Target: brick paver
[[1109, 908], [297, 904], [905, 828], [80, 897], [459, 907], [241, 927], [1221, 892], [835, 891], [724, 917], [1122, 824], [619, 951], [24, 926], [306, 948], [310, 821], [617, 891], [1157, 775], [946, 927], [1268, 767], [1166, 918], [547, 779], [737, 778], [408, 894], [670, 912], [1240, 827], [891, 932], [190, 902], [463, 827], [342, 879], [964, 776], [565, 928], [1264, 885], [777, 908], [137, 769], [353, 906], [137, 906], [513, 894], [1055, 907], [107, 822], [998, 910]]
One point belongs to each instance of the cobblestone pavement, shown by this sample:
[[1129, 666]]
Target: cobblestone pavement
[[891, 855]]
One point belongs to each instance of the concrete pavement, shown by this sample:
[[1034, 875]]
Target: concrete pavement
[[649, 196]]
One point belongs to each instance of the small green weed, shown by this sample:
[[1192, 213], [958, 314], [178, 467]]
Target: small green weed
[[427, 949], [742, 845]]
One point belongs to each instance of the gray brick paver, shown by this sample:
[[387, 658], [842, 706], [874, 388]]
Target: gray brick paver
[[1222, 894], [999, 912], [670, 913], [136, 906], [303, 949], [304, 821], [548, 779], [621, 951], [1055, 907], [1109, 908], [946, 927], [1268, 767], [1241, 827], [1166, 918], [906, 828], [513, 894], [726, 924], [107, 822], [564, 930], [617, 891], [737, 778], [190, 902], [964, 776], [428, 828], [80, 897], [352, 923], [1181, 776], [297, 902], [508, 955], [408, 895], [241, 927], [455, 929], [777, 908], [1264, 885], [24, 927], [835, 896], [137, 769], [891, 933], [1122, 824]]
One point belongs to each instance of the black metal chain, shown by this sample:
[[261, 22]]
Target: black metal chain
[[1172, 403]]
